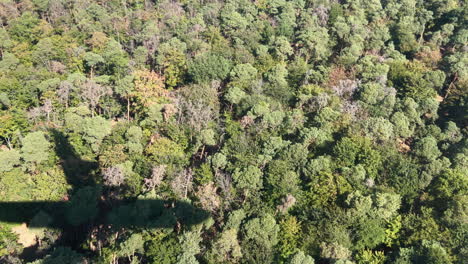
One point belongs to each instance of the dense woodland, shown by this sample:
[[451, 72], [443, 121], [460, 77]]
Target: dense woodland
[[204, 131]]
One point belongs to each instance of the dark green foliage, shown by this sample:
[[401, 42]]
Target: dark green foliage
[[208, 67], [83, 206], [63, 255], [358, 150], [163, 250], [413, 80]]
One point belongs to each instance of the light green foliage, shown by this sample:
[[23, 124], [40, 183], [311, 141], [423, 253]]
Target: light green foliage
[[368, 233], [409, 80], [4, 100], [262, 230], [401, 125], [9, 159], [392, 231], [132, 179], [35, 148], [208, 137], [93, 59], [378, 99], [273, 145], [190, 247], [301, 258], [132, 245], [362, 204], [234, 95], [232, 20], [427, 149], [171, 57], [50, 185], [404, 256], [370, 257], [243, 74], [273, 119], [450, 183], [317, 165], [8, 62], [154, 113], [452, 133], [387, 204], [426, 251], [282, 48], [370, 93], [327, 117], [381, 205], [164, 150], [278, 85], [8, 244], [433, 252], [316, 137], [219, 160], [371, 69], [370, 214], [74, 120], [314, 39], [334, 251], [94, 131], [380, 129], [289, 234], [235, 219], [249, 178], [134, 136], [15, 185], [226, 247], [115, 57], [6, 41], [259, 109]]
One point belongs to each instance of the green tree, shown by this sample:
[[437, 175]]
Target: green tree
[[94, 130], [134, 136], [249, 178], [290, 230], [83, 206], [427, 149], [209, 66], [171, 57], [301, 258], [9, 159], [131, 246], [260, 235], [35, 149]]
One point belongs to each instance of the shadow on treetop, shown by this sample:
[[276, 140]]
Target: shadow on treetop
[[87, 207]]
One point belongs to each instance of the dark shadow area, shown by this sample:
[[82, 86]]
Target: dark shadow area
[[124, 214], [77, 171], [88, 208]]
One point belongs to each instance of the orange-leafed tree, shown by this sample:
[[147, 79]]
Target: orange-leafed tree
[[149, 88]]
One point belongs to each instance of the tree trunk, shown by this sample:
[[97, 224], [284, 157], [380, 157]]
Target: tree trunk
[[421, 35], [202, 152], [128, 108]]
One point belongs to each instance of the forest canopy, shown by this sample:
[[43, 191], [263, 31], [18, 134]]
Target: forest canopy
[[269, 131]]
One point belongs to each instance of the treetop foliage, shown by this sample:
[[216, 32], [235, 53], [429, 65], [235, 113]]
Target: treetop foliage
[[272, 131]]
